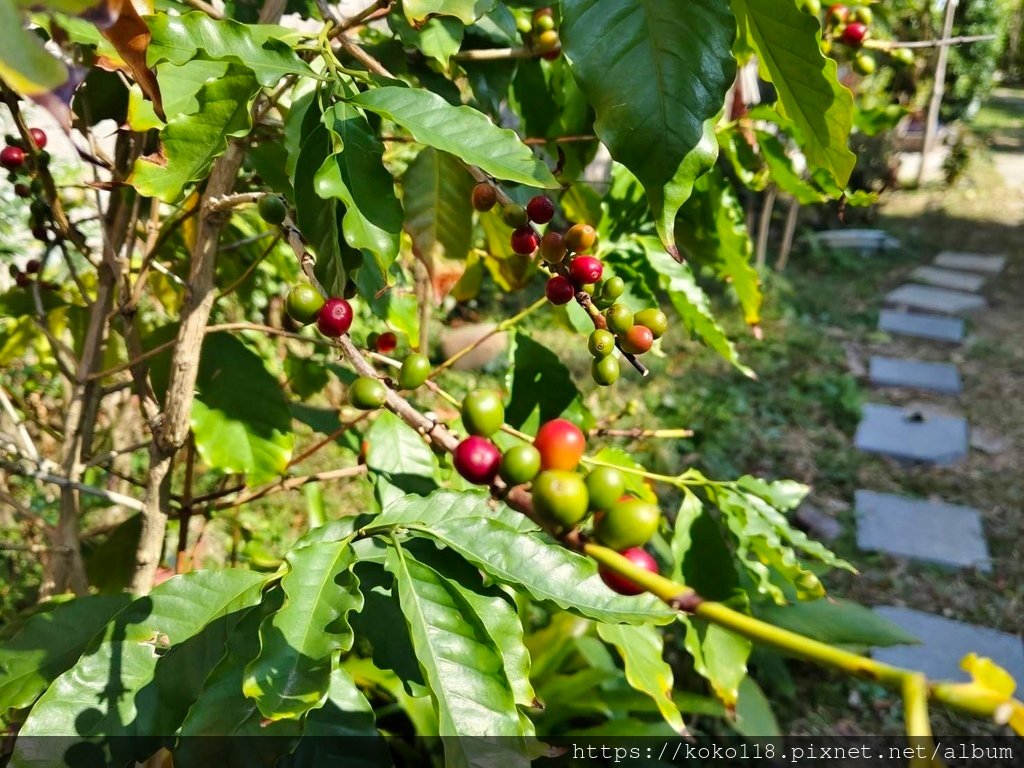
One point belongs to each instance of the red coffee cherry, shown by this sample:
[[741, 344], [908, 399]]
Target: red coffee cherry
[[585, 269], [561, 445], [637, 340], [621, 584], [854, 34], [559, 290], [477, 459], [335, 317], [22, 190], [38, 137], [540, 209], [12, 158], [525, 241], [387, 342]]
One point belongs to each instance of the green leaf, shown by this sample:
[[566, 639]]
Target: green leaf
[[48, 644], [240, 417], [542, 387], [436, 190], [262, 48], [466, 11], [641, 649], [837, 622], [451, 505], [786, 41], [719, 655], [783, 174], [354, 174], [460, 662], [24, 63], [462, 131], [754, 715], [689, 510], [111, 564], [399, 455], [655, 72], [178, 88], [690, 302], [292, 673], [191, 142], [163, 630]]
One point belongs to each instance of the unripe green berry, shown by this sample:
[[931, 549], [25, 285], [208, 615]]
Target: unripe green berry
[[367, 393], [601, 343], [515, 216], [654, 319], [604, 370], [272, 209], [560, 496], [414, 371], [613, 288], [520, 464], [619, 319]]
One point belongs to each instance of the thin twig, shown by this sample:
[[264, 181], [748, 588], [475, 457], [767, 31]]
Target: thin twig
[[19, 425], [44, 476], [377, 10], [497, 54], [639, 433], [227, 202], [289, 484], [886, 45]]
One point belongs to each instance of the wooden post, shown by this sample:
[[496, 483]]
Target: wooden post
[[764, 226], [938, 90], [787, 235]]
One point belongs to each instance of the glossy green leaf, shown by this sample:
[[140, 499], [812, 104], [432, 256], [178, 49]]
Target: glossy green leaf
[[292, 673], [719, 655], [837, 622], [398, 453], [240, 417], [690, 509], [783, 173], [48, 644], [655, 72], [462, 131], [460, 662], [754, 715], [436, 191], [178, 88], [354, 174], [542, 387], [191, 142], [451, 505], [24, 63], [642, 649], [262, 48], [166, 629], [786, 41], [467, 11]]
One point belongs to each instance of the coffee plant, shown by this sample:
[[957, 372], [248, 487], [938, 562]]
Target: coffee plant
[[265, 216]]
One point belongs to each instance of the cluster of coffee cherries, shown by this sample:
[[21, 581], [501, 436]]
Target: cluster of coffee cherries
[[540, 31], [23, 174], [563, 496], [850, 26]]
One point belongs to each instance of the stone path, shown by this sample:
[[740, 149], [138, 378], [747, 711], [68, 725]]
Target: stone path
[[923, 530]]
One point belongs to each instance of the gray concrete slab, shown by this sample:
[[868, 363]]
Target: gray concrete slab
[[944, 642], [897, 372], [941, 300], [908, 434], [934, 327], [948, 278], [972, 262], [933, 531]]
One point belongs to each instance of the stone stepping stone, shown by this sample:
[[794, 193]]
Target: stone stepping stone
[[895, 372], [941, 300], [908, 434], [972, 262], [934, 327], [948, 278], [944, 642], [863, 240], [932, 531]]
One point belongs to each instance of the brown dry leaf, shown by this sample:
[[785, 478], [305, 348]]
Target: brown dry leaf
[[130, 36]]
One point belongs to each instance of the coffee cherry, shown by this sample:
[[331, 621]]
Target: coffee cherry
[[654, 319], [414, 371], [613, 288], [515, 216], [38, 137], [523, 25], [547, 41], [520, 464], [367, 393], [482, 412], [32, 266], [637, 340], [601, 343], [605, 486], [627, 523], [838, 14], [543, 23], [540, 209], [12, 270], [386, 343], [525, 241], [477, 459], [552, 249], [22, 190], [12, 158], [272, 209], [40, 210], [863, 14], [559, 290], [604, 370], [902, 55], [580, 237], [41, 233], [560, 496], [303, 304], [621, 584], [854, 33], [561, 445], [585, 269], [551, 55], [22, 280], [335, 317], [864, 64], [484, 196], [619, 319], [542, 13], [813, 7]]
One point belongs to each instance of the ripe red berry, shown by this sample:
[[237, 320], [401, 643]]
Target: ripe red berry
[[559, 290], [854, 34], [838, 13], [621, 584], [477, 459], [540, 209], [38, 137], [525, 241], [561, 445], [585, 269], [12, 158], [335, 317], [22, 190], [387, 342], [637, 340]]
